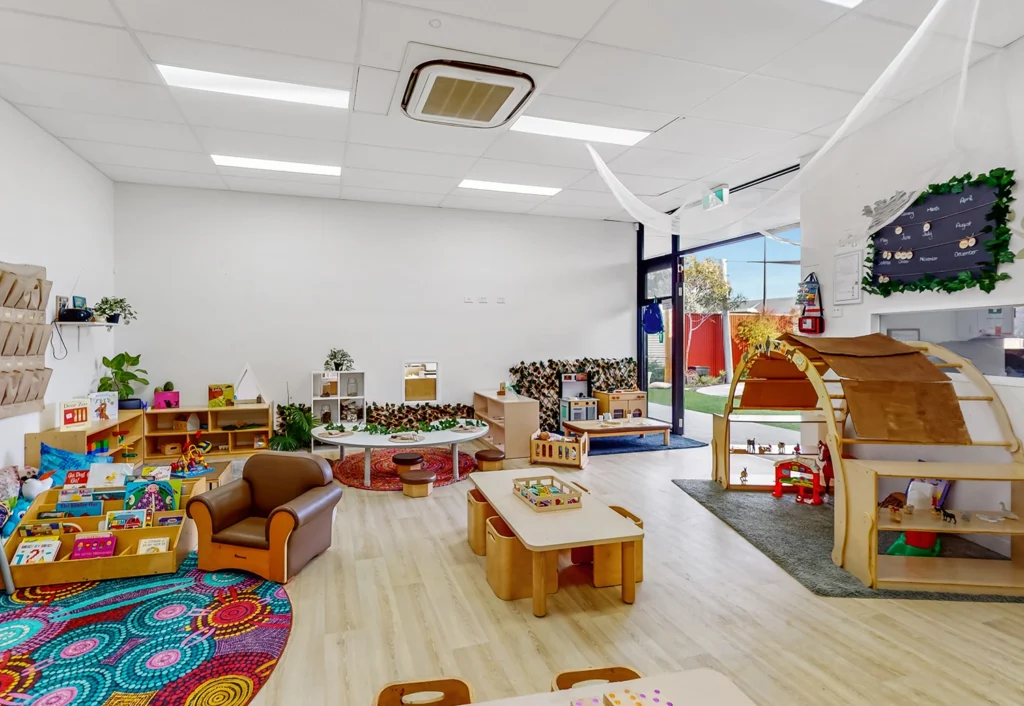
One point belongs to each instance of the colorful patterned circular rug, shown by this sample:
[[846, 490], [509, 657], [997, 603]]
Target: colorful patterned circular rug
[[193, 637], [383, 475]]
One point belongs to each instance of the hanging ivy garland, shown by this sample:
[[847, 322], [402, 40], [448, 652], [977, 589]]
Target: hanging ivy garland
[[999, 245]]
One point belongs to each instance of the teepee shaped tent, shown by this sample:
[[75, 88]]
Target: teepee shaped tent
[[247, 389]]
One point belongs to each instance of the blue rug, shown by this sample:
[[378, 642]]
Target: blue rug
[[635, 444]]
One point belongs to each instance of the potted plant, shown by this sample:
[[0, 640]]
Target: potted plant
[[339, 361], [294, 428], [113, 309], [124, 374]]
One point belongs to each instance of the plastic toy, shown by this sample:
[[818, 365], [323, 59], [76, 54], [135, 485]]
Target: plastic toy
[[948, 516], [802, 475], [782, 447], [825, 464], [192, 462], [751, 446], [743, 476]]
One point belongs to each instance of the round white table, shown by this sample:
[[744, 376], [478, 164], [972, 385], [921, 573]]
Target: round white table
[[369, 442]]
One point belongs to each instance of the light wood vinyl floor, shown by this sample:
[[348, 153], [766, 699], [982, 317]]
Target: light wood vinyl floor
[[400, 595]]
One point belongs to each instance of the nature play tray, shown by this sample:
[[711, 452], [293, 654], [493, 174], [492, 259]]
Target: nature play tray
[[547, 493]]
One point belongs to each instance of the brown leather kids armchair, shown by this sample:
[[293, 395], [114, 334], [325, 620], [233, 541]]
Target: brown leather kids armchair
[[273, 521]]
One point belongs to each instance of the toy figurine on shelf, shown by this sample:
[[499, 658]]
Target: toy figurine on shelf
[[782, 447], [825, 464], [764, 449], [743, 476], [796, 449], [751, 446], [192, 462], [895, 514]]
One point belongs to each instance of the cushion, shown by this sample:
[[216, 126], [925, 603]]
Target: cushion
[[56, 463], [407, 459], [10, 487], [250, 532]]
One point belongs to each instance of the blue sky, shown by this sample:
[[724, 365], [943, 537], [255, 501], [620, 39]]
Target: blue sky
[[745, 270]]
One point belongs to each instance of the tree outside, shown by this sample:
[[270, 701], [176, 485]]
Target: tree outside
[[706, 293], [762, 326]]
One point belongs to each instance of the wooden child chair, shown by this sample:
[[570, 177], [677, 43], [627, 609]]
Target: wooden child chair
[[429, 692], [567, 680]]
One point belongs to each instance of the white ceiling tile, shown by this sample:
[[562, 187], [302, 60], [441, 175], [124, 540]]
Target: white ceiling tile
[[107, 128], [563, 211], [206, 109], [75, 47], [478, 203], [356, 193], [589, 112], [674, 165], [128, 156], [245, 173], [737, 34], [638, 184], [325, 30], [598, 200], [239, 61], [569, 18], [622, 216], [629, 78], [1000, 22], [388, 29], [544, 149], [524, 173], [286, 188], [235, 143], [53, 89], [777, 104], [409, 161], [370, 179], [374, 90], [766, 163], [715, 139], [140, 175], [98, 11], [399, 130]]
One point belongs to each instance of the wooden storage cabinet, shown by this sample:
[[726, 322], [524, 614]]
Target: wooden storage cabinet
[[159, 430], [128, 427], [632, 403], [512, 420]]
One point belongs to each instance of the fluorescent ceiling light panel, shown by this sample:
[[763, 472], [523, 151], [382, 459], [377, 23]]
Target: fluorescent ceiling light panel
[[253, 87], [844, 3], [275, 166], [578, 131], [510, 188]]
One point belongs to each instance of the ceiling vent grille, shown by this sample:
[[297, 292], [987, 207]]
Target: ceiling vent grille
[[465, 94]]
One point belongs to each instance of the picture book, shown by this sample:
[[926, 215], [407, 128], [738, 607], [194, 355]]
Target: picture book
[[74, 494], [170, 521], [51, 515], [103, 406], [39, 529], [73, 414], [108, 494], [108, 475], [70, 527], [156, 472], [153, 545], [89, 508], [76, 478], [126, 519], [93, 545], [157, 495], [36, 550]]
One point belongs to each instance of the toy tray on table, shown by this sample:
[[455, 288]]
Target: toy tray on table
[[559, 495]]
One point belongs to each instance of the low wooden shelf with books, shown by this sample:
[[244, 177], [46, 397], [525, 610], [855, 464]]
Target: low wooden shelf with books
[[123, 436], [125, 561], [232, 431], [512, 420]]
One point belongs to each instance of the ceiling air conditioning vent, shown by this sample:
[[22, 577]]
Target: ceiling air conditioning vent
[[466, 94]]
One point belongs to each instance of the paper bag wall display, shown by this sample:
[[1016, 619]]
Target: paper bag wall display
[[24, 335]]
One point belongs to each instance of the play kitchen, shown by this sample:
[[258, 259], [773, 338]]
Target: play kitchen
[[576, 403]]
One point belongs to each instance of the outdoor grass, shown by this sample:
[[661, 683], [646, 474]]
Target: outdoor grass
[[708, 404]]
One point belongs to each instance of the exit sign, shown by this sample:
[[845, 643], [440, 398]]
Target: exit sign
[[718, 197]]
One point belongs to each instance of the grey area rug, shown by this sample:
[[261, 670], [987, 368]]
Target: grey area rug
[[799, 539]]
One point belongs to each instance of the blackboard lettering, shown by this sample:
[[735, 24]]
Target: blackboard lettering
[[965, 253], [929, 259], [934, 209], [903, 262], [967, 199], [905, 237], [963, 226]]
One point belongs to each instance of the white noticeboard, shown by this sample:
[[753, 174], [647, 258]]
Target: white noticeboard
[[846, 278]]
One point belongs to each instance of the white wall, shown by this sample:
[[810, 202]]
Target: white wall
[[866, 167], [56, 211], [221, 278]]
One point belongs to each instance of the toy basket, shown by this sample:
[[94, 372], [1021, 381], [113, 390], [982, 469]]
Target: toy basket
[[547, 493]]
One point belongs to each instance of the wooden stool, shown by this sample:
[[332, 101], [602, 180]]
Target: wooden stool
[[445, 692], [567, 680], [418, 484], [490, 460], [406, 462]]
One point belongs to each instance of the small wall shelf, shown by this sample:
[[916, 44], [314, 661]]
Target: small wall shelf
[[341, 405], [79, 325]]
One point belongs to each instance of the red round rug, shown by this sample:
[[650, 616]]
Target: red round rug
[[383, 475]]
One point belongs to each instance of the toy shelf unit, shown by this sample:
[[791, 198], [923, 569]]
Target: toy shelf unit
[[341, 395], [121, 438], [125, 562], [232, 431], [512, 419]]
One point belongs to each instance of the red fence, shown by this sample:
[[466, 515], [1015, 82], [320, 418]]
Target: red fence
[[706, 348]]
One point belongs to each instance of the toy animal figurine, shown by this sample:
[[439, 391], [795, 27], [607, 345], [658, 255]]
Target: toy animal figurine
[[782, 447], [895, 514], [897, 500], [908, 510], [764, 449], [796, 449], [947, 516], [1007, 514], [743, 476], [751, 446]]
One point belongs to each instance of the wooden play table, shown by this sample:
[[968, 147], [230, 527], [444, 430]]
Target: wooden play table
[[541, 532], [619, 427]]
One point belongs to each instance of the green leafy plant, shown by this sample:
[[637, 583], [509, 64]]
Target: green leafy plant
[[167, 387], [124, 375], [1002, 180], [339, 360], [112, 306], [294, 428], [440, 425]]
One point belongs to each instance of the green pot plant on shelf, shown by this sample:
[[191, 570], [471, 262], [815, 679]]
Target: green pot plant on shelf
[[338, 360], [123, 374], [114, 310], [294, 430]]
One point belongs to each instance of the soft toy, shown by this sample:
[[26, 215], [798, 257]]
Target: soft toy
[[20, 508], [31, 488]]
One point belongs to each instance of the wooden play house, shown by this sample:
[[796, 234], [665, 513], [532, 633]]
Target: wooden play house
[[891, 393]]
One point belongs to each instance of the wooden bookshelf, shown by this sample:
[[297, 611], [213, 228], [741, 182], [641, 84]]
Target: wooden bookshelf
[[227, 443], [512, 420], [124, 434]]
